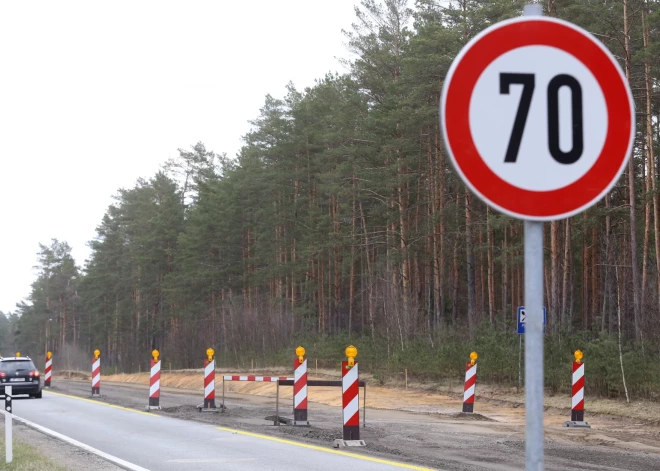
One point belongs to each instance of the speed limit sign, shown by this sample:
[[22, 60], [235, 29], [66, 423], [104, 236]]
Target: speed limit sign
[[537, 117]]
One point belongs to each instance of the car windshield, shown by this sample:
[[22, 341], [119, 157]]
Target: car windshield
[[17, 366]]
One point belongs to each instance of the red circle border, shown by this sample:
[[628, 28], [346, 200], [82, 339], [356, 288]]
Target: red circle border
[[604, 172]]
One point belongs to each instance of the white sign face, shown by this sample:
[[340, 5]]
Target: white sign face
[[538, 118], [493, 116]]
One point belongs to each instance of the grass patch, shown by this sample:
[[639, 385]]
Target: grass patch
[[24, 457]]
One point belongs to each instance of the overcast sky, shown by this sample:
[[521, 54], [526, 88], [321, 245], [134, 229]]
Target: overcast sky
[[94, 95]]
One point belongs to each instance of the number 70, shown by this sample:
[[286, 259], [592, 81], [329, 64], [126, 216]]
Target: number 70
[[558, 81]]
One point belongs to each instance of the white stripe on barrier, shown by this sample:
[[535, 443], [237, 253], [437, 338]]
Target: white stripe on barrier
[[209, 388], [579, 373], [471, 372], [299, 372], [208, 369], [154, 388], [350, 378], [469, 392], [352, 408], [96, 379], [301, 396], [156, 368], [96, 364], [579, 396]]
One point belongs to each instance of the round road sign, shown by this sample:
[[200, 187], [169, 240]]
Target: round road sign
[[538, 118]]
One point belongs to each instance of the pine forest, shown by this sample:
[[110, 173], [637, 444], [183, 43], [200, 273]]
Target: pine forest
[[341, 221]]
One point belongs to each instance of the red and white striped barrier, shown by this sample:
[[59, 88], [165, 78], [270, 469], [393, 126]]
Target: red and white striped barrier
[[300, 391], [350, 400], [96, 373], [49, 369], [265, 379], [470, 383], [577, 394], [154, 382], [209, 382]]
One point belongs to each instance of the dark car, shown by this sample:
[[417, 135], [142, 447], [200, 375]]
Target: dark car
[[22, 375]]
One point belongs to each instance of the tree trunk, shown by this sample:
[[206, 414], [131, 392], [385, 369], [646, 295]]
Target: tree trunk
[[351, 288], [491, 287], [469, 249], [370, 276], [631, 193], [565, 276], [505, 276], [554, 275], [649, 143]]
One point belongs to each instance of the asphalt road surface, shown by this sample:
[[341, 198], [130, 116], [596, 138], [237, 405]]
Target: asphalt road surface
[[157, 442]]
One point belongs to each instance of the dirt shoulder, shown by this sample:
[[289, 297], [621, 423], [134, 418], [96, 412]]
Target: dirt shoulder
[[497, 402], [417, 425]]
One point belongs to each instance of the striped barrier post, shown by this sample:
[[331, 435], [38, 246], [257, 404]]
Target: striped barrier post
[[350, 395], [154, 381], [470, 383], [577, 394], [209, 382], [96, 373], [49, 369], [300, 388]]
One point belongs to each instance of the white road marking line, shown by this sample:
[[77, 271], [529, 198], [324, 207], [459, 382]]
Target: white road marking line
[[210, 460], [71, 441]]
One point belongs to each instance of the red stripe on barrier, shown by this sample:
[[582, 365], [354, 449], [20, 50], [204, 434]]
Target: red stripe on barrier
[[350, 393], [577, 386], [355, 420], [470, 382]]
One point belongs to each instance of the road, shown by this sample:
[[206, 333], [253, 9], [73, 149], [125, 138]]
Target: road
[[428, 436], [157, 442]]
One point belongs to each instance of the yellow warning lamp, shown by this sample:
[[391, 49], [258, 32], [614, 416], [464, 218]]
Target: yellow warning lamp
[[351, 352], [18, 354], [473, 357], [209, 353], [155, 353], [97, 353], [578, 356], [49, 355], [300, 351]]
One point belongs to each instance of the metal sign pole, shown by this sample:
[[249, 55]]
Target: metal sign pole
[[8, 423], [534, 345], [534, 374]]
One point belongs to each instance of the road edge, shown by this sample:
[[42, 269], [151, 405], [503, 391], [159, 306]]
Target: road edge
[[101, 454]]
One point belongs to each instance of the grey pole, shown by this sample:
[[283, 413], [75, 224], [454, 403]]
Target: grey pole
[[533, 329], [8, 423], [534, 355], [534, 345], [277, 405]]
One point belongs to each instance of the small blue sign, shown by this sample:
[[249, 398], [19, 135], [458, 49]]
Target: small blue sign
[[521, 319]]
